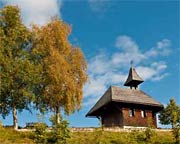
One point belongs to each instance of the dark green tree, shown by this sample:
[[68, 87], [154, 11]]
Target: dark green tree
[[170, 114], [18, 73]]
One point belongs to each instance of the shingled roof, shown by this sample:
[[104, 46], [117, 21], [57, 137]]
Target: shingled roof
[[124, 95]]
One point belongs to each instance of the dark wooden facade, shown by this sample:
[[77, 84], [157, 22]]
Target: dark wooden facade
[[124, 107], [121, 117]]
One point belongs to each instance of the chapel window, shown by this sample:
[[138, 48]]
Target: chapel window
[[131, 113]]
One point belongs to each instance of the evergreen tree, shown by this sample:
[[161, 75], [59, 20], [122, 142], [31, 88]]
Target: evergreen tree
[[170, 114]]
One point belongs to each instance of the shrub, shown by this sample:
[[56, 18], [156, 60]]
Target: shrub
[[60, 132], [40, 134], [97, 136], [176, 134], [135, 137], [149, 134]]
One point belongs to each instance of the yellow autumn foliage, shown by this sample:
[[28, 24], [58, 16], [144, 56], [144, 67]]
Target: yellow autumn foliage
[[64, 67]]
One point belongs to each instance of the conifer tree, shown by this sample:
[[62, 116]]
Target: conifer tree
[[171, 114]]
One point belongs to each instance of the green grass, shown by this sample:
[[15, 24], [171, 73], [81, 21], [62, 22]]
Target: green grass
[[9, 136], [100, 137]]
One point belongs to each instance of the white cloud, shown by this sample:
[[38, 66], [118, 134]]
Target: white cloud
[[125, 58], [117, 78], [105, 70], [99, 64], [90, 101], [98, 85], [160, 66], [37, 11], [129, 51], [127, 44], [160, 77], [146, 72], [95, 87], [162, 48], [99, 6], [155, 72]]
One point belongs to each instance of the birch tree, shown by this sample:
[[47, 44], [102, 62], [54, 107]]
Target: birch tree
[[17, 70], [64, 68]]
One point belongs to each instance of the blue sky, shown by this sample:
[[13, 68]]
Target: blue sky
[[111, 33]]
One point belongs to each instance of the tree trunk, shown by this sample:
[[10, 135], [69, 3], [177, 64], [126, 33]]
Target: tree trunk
[[172, 125], [15, 118], [57, 115]]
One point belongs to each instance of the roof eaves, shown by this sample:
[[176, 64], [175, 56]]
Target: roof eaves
[[94, 109]]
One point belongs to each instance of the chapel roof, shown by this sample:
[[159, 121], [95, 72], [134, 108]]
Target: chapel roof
[[124, 95]]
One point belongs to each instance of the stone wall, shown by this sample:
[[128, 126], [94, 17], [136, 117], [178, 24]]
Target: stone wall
[[113, 129]]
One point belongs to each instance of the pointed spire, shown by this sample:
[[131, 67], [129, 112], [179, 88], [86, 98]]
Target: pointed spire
[[133, 79], [131, 63]]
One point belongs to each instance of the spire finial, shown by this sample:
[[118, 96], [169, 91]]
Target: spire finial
[[131, 62]]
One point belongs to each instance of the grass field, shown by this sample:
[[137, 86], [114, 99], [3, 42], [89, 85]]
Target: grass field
[[9, 136], [134, 137]]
